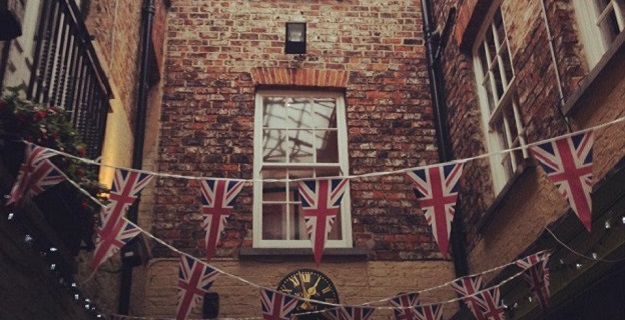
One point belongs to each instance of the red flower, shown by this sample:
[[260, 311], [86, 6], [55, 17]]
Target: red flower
[[81, 151], [39, 115]]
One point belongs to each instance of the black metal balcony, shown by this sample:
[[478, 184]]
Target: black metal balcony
[[67, 73]]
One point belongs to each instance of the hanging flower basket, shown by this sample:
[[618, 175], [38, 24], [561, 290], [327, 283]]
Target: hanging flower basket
[[49, 127]]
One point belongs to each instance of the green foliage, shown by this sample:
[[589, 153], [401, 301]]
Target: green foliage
[[50, 127]]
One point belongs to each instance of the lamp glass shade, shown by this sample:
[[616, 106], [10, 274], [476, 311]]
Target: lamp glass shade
[[296, 32]]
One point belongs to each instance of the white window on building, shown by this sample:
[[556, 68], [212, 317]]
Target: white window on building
[[297, 134], [501, 116], [600, 21]]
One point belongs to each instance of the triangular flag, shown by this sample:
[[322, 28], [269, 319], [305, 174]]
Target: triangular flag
[[126, 188], [112, 236], [36, 175], [405, 304], [218, 197], [467, 288], [489, 301], [349, 313], [568, 163], [537, 276], [194, 279], [436, 189], [321, 201], [276, 306], [429, 312]]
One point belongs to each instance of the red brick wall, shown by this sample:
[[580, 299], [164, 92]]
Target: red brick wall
[[215, 54], [532, 202]]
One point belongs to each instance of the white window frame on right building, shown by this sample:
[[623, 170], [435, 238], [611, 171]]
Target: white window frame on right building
[[600, 21], [502, 120]]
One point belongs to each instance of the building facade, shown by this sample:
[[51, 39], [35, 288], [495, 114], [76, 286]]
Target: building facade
[[236, 106], [83, 57], [372, 91], [517, 73]]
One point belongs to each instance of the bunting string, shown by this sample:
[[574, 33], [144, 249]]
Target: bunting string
[[579, 254], [365, 175], [345, 178]]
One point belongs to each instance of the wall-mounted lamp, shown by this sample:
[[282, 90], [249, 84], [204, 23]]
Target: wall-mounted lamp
[[295, 38]]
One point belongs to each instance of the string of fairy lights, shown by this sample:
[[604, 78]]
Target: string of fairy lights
[[65, 279]]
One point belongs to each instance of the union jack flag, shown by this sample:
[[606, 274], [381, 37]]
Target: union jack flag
[[537, 276], [321, 200], [405, 304], [568, 163], [276, 306], [436, 189], [194, 279], [490, 304], [349, 313], [218, 197], [467, 287], [126, 187], [111, 239], [429, 312], [37, 174]]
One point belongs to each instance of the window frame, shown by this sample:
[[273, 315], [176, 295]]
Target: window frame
[[495, 107], [342, 164], [592, 37]]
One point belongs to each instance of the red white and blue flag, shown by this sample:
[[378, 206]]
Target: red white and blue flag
[[428, 312], [112, 237], [537, 276], [467, 288], [491, 305], [349, 313], [276, 306], [321, 201], [194, 279], [436, 189], [568, 163], [405, 304], [37, 174], [218, 198], [126, 187]]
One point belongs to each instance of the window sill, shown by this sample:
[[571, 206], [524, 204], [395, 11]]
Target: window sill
[[598, 78], [487, 218], [303, 254]]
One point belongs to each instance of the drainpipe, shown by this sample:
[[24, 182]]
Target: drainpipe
[[147, 21], [433, 44]]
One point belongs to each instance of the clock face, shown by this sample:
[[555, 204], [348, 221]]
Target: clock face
[[309, 284]]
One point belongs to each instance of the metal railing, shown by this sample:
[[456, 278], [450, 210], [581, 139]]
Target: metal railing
[[67, 73]]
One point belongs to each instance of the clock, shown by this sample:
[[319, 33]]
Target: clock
[[309, 284]]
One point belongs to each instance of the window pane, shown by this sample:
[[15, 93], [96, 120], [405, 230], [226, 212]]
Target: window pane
[[489, 92], [301, 146], [274, 146], [274, 220], [274, 191], [498, 24], [507, 64], [483, 60], [299, 112], [327, 146], [498, 83], [324, 113], [274, 112], [492, 48]]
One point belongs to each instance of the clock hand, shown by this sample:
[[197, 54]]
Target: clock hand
[[306, 295], [313, 290]]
